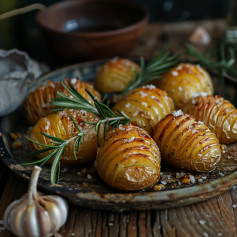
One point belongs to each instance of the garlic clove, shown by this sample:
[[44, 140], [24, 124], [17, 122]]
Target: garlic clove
[[55, 215], [14, 217], [44, 221], [200, 37], [29, 221]]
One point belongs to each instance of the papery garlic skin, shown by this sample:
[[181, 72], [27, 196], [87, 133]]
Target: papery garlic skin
[[35, 214]]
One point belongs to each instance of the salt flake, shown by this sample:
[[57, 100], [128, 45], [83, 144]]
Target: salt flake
[[178, 113]]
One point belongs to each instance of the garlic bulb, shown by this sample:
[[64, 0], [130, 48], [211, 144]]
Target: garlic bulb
[[35, 214]]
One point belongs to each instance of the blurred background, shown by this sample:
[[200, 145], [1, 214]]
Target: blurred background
[[22, 32]]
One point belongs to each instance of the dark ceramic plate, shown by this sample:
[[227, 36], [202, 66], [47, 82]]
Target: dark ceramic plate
[[89, 190]]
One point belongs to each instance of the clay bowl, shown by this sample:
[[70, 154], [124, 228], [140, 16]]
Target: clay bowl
[[93, 29]]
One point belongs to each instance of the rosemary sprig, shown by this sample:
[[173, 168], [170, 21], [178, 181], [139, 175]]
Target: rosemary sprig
[[155, 69], [220, 59], [58, 146], [76, 101]]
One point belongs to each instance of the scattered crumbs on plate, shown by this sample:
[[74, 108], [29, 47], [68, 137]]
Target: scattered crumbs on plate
[[13, 136], [168, 176], [192, 179], [221, 174], [83, 172], [163, 182], [186, 180], [17, 145], [158, 187]]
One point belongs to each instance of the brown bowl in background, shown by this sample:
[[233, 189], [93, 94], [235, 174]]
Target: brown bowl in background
[[93, 29]]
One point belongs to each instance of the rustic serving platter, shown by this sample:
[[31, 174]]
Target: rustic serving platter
[[82, 186]]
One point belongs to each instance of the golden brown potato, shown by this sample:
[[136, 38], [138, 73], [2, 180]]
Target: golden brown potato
[[145, 106], [187, 144], [115, 75], [61, 126], [183, 81], [37, 104], [129, 159], [217, 113]]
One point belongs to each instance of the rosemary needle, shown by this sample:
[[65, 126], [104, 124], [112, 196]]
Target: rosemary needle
[[220, 59]]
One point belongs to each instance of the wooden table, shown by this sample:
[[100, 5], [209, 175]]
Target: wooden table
[[214, 217]]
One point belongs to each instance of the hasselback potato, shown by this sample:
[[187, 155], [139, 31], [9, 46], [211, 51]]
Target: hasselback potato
[[129, 159], [37, 104], [217, 113], [183, 81], [187, 144], [61, 126], [115, 75], [145, 106]]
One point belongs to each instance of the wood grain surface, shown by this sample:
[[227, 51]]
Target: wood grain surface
[[214, 217]]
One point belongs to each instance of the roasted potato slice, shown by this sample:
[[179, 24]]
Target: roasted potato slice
[[115, 75], [129, 159], [183, 81], [145, 106], [37, 104], [61, 126], [217, 113], [187, 144]]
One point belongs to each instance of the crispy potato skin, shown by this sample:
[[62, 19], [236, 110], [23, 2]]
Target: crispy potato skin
[[145, 106], [129, 159], [187, 144], [37, 104], [218, 114], [183, 81], [61, 126], [115, 75]]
